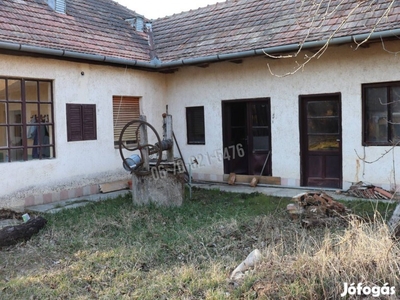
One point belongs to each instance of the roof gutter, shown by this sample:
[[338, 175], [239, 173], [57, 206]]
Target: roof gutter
[[157, 65], [281, 49], [75, 55]]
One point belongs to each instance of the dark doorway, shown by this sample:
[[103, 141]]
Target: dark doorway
[[320, 139], [247, 136]]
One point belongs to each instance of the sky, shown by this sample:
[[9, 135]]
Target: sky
[[154, 9]]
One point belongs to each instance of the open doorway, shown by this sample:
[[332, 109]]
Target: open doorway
[[247, 126]]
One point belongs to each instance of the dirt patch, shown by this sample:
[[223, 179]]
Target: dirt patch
[[9, 218], [9, 214]]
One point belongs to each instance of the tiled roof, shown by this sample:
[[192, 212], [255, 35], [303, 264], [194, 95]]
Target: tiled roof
[[98, 26], [241, 25], [89, 26]]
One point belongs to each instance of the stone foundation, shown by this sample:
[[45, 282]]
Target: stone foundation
[[163, 190]]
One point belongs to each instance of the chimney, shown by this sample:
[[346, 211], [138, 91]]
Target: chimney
[[137, 23], [58, 5], [153, 54]]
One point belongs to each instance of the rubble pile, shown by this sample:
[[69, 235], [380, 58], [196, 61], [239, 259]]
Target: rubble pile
[[369, 191], [315, 208]]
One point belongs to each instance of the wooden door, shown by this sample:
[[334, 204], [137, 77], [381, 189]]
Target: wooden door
[[320, 138]]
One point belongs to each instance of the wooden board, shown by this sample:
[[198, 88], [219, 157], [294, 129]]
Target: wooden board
[[114, 186], [261, 179]]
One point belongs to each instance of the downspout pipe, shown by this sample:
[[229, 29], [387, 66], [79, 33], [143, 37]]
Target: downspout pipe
[[157, 65]]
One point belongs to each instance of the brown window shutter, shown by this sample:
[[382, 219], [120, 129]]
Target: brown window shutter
[[74, 122], [81, 122], [89, 122]]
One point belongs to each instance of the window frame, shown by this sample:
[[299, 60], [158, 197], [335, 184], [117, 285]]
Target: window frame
[[191, 128], [388, 85], [42, 121], [85, 119]]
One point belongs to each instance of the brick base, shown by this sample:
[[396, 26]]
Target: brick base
[[208, 177], [62, 195]]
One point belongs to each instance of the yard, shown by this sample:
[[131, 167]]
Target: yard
[[115, 250]]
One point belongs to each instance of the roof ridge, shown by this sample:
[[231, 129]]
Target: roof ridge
[[218, 3]]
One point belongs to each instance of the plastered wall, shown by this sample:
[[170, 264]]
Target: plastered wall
[[341, 69], [87, 163], [81, 163]]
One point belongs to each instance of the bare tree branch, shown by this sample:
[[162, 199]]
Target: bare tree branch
[[316, 14], [388, 51], [380, 157], [384, 15]]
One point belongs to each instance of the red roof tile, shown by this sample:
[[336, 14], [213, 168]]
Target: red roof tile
[[98, 26], [92, 26], [241, 25]]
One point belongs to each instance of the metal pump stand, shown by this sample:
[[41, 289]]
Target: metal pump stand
[[154, 179]]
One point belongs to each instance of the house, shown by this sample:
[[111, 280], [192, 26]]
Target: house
[[73, 72]]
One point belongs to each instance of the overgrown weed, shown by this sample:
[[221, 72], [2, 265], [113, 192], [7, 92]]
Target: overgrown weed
[[115, 250], [318, 265]]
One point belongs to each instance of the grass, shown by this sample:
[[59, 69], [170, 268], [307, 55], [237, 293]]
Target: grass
[[115, 250]]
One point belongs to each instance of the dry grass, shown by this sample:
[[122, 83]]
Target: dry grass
[[317, 267], [114, 250]]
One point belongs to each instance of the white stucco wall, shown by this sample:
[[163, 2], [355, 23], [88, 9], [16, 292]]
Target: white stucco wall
[[340, 69], [83, 162]]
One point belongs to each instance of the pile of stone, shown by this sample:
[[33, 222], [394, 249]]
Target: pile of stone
[[315, 208]]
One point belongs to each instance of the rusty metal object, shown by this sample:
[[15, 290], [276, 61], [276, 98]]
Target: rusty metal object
[[165, 144], [180, 153], [140, 169]]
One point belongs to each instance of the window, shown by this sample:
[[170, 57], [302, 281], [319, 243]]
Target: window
[[81, 122], [381, 112], [26, 119], [125, 109], [195, 125]]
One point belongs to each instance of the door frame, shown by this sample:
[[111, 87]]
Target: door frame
[[226, 135], [303, 139]]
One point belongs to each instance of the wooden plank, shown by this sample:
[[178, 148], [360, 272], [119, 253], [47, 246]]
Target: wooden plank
[[270, 180], [114, 186], [261, 179]]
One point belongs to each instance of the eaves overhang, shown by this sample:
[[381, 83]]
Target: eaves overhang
[[157, 65]]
